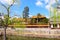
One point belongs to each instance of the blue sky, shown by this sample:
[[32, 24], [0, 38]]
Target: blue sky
[[35, 6]]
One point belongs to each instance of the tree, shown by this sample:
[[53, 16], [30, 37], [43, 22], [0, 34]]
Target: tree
[[45, 20], [32, 21], [10, 4], [38, 15], [5, 19], [26, 13], [41, 21], [0, 19]]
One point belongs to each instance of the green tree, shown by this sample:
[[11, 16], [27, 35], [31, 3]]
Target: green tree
[[5, 19], [38, 15], [10, 4], [1, 20], [45, 20], [32, 21], [26, 13], [41, 21]]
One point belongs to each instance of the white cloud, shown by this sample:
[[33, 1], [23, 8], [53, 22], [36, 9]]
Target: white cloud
[[46, 1], [48, 6], [50, 2], [39, 3], [47, 17], [9, 2], [30, 15]]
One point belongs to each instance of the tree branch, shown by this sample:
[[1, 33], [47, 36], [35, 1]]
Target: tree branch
[[3, 5], [11, 4]]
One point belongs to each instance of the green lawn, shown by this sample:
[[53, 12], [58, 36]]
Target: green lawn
[[28, 38]]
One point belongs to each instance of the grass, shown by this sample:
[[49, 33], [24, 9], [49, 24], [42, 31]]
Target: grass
[[28, 38], [11, 37]]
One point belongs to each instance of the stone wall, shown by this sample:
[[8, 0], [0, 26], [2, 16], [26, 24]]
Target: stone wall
[[35, 32], [41, 32]]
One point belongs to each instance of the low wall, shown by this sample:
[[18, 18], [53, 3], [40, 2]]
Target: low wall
[[35, 32], [41, 32]]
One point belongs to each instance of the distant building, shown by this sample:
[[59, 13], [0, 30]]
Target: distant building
[[38, 18], [55, 20], [34, 25]]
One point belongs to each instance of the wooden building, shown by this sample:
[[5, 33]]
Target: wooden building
[[32, 22]]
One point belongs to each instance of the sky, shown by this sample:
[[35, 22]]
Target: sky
[[35, 6]]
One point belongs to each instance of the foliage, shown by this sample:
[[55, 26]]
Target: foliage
[[6, 21], [32, 21], [11, 37], [1, 22], [17, 23], [45, 20], [39, 14], [26, 12]]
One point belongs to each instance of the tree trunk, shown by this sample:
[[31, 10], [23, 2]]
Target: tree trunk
[[6, 25], [4, 33], [8, 12]]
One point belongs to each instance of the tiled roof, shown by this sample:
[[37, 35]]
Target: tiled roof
[[38, 16]]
